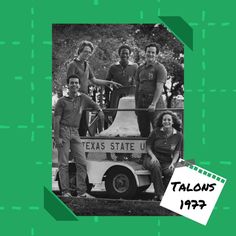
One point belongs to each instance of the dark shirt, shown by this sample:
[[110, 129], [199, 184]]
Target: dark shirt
[[122, 75], [83, 71], [147, 77], [70, 109], [164, 147]]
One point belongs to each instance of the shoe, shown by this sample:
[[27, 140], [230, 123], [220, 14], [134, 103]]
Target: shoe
[[157, 198], [66, 194], [85, 195]]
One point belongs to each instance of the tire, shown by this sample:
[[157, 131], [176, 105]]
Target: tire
[[120, 183], [72, 180]]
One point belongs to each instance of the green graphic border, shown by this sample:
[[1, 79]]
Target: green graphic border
[[175, 23]]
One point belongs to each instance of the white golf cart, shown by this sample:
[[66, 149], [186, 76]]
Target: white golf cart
[[111, 159]]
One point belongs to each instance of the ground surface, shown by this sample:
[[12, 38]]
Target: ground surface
[[142, 205]]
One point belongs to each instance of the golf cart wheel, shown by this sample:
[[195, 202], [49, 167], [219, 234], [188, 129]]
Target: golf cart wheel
[[120, 183]]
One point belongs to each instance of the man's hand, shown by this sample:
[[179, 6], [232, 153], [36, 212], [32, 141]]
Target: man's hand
[[115, 84], [152, 107], [59, 142]]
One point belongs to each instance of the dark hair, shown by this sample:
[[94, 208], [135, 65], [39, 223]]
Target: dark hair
[[72, 76], [124, 46], [157, 46], [177, 124], [83, 44]]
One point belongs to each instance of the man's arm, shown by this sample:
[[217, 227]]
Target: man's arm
[[58, 140], [71, 70], [135, 66], [91, 104], [157, 94], [57, 118], [161, 76], [101, 82], [136, 83]]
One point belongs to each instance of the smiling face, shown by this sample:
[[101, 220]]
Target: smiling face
[[124, 55], [74, 85], [167, 121], [85, 54], [151, 54]]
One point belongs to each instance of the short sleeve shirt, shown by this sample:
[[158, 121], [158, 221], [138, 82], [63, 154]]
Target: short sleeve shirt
[[164, 147], [70, 109], [83, 70], [147, 77], [122, 75]]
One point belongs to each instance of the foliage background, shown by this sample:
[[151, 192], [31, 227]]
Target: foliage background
[[25, 121], [107, 38]]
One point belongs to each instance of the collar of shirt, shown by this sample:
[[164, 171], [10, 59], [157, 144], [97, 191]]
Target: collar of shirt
[[129, 63], [149, 64], [80, 61], [174, 130], [77, 95]]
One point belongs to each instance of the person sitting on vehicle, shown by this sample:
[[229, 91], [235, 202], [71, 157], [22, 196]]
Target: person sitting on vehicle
[[67, 118], [164, 146]]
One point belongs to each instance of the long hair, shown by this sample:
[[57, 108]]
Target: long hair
[[177, 124]]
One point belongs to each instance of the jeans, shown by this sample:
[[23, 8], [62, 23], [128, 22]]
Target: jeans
[[83, 127], [145, 118], [72, 143], [158, 170]]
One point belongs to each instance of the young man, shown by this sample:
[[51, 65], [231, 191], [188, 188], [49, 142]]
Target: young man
[[67, 116], [150, 79], [80, 67], [122, 72]]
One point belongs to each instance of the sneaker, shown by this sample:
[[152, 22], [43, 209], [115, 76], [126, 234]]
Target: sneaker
[[85, 195], [157, 198], [66, 194]]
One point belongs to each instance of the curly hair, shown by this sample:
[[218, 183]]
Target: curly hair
[[177, 124], [83, 44], [124, 46]]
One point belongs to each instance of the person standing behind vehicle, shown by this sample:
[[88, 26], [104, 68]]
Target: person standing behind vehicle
[[150, 79], [121, 72], [67, 118], [80, 67]]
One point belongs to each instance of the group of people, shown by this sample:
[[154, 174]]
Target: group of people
[[164, 143]]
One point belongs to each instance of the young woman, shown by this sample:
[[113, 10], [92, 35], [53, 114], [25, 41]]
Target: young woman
[[163, 147]]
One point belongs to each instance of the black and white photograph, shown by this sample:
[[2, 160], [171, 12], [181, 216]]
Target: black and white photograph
[[118, 117]]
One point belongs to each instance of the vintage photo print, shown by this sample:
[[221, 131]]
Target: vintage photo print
[[117, 106]]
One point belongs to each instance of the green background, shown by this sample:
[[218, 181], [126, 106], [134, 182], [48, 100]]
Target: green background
[[25, 120]]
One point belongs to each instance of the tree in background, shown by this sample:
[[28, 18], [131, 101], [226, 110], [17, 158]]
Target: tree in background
[[107, 39]]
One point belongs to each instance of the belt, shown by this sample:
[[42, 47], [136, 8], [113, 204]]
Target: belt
[[70, 126], [146, 95]]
